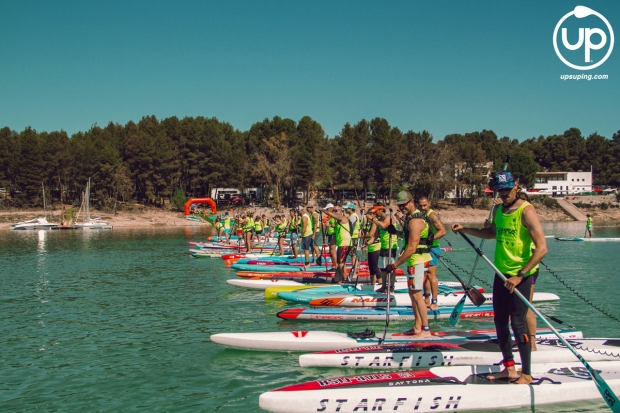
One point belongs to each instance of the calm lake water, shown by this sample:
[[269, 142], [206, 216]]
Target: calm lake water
[[120, 320]]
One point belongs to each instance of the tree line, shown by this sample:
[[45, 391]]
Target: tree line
[[150, 160]]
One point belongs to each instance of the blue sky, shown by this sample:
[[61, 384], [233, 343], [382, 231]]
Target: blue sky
[[442, 66]]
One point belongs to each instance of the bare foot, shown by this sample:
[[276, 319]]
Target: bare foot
[[433, 307], [504, 374], [524, 379], [411, 332], [422, 334]]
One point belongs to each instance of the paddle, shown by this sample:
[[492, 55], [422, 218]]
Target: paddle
[[323, 243], [458, 308], [608, 395], [474, 295], [388, 283]]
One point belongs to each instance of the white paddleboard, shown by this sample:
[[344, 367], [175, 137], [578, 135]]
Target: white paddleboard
[[458, 353], [456, 388], [304, 340], [403, 299]]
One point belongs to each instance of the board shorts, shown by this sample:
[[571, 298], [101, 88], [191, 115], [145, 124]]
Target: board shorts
[[535, 276], [331, 239], [437, 253], [342, 253], [416, 279], [294, 237], [307, 243], [227, 231], [258, 232]]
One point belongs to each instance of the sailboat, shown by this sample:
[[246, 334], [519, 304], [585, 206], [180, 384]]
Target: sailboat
[[88, 222], [37, 223]]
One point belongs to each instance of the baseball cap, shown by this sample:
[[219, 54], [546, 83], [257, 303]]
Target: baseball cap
[[376, 208], [328, 206], [503, 180], [403, 197], [349, 205]]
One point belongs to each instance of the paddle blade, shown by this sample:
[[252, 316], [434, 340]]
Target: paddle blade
[[476, 296], [456, 312]]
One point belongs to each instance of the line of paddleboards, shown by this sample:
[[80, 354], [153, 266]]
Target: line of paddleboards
[[426, 354], [454, 388], [584, 239], [378, 313], [305, 340]]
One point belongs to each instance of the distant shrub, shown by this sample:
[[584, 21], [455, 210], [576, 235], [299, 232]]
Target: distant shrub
[[179, 199], [548, 202], [604, 206]]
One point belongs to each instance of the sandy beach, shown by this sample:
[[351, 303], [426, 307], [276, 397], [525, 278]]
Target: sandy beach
[[142, 216]]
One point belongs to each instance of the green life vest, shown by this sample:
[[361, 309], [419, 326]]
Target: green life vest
[[376, 244], [249, 225], [343, 235], [589, 223], [388, 241], [514, 245], [258, 225], [281, 228], [218, 225], [422, 252], [293, 227], [331, 226]]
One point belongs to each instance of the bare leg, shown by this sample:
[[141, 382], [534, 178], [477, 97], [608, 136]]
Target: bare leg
[[434, 286]]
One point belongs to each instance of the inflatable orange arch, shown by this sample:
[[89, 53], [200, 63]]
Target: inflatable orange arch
[[207, 201]]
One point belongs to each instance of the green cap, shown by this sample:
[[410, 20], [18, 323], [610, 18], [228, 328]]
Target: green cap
[[403, 197]]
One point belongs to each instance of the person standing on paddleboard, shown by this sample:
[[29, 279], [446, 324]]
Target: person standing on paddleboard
[[431, 287], [389, 246], [293, 229], [520, 247], [373, 243], [307, 233], [331, 237], [343, 242], [589, 226], [418, 237]]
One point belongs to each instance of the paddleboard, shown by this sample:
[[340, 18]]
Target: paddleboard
[[458, 353], [304, 340], [455, 388], [403, 299], [377, 313], [587, 239]]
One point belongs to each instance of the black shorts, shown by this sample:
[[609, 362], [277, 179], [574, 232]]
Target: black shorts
[[307, 243], [535, 276], [331, 239]]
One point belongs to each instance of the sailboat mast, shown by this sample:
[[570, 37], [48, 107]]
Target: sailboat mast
[[88, 200]]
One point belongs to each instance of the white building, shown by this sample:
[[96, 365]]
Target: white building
[[563, 183]]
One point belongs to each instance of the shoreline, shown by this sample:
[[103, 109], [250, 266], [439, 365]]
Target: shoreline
[[152, 217]]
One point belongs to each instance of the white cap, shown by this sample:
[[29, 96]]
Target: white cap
[[328, 206]]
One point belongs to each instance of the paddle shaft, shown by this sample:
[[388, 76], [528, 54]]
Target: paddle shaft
[[608, 395], [388, 283]]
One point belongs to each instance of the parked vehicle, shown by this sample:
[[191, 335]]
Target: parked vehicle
[[371, 196]]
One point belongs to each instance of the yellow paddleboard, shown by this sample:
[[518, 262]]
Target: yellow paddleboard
[[272, 292]]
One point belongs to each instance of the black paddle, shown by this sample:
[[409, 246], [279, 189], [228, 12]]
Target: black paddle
[[474, 295], [602, 386], [388, 283]]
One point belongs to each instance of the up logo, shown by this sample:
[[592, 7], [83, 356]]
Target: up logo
[[588, 39]]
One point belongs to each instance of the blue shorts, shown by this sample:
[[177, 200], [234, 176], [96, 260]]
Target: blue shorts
[[307, 243], [435, 260], [294, 237], [227, 231]]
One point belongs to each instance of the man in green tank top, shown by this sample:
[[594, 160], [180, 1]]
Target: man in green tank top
[[589, 226], [439, 231], [417, 256], [343, 242], [331, 237], [520, 246]]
